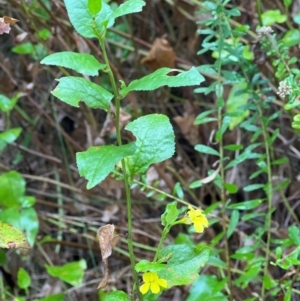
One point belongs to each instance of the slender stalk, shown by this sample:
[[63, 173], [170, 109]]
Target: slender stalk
[[258, 8], [126, 179], [220, 105], [269, 192], [163, 236]]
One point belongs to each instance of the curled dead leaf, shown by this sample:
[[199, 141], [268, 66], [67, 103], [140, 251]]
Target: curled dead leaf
[[211, 177], [161, 55], [106, 242], [105, 236], [9, 20], [189, 130]]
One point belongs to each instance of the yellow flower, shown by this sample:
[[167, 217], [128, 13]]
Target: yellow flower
[[196, 217], [153, 282]]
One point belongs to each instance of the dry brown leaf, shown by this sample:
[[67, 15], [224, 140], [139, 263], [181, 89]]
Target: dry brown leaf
[[161, 55], [188, 129], [109, 126], [112, 187], [109, 212], [9, 20], [212, 176], [81, 43], [105, 236]]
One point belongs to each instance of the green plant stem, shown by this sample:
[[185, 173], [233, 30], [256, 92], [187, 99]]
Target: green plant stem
[[269, 191], [220, 106], [125, 174], [163, 236], [2, 289], [258, 8], [223, 199]]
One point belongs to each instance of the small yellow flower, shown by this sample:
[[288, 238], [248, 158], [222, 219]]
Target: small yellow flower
[[196, 217], [153, 282]]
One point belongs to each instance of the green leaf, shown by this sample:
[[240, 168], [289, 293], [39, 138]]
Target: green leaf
[[161, 78], [19, 299], [27, 201], [97, 162], [282, 185], [80, 62], [184, 264], [271, 17], [296, 18], [225, 124], [234, 219], [246, 155], [231, 188], [254, 187], [155, 142], [44, 34], [82, 19], [252, 216], [202, 118], [196, 184], [207, 285], [291, 38], [247, 205], [184, 239], [206, 150], [248, 275], [24, 48], [116, 296], [23, 219], [55, 297], [178, 190], [280, 161], [233, 147], [216, 262], [72, 90], [11, 237], [170, 215], [288, 294], [129, 7], [8, 137], [23, 278], [289, 106], [3, 260], [71, 273], [94, 6], [29, 223], [234, 102], [248, 53], [294, 234], [12, 189], [7, 104], [145, 266]]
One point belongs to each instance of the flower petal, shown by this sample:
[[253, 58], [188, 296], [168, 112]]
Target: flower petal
[[144, 288], [147, 277], [198, 227], [194, 213], [154, 288], [162, 282], [154, 277], [203, 220]]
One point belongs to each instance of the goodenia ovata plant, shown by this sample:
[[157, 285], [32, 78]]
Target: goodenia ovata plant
[[155, 140]]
